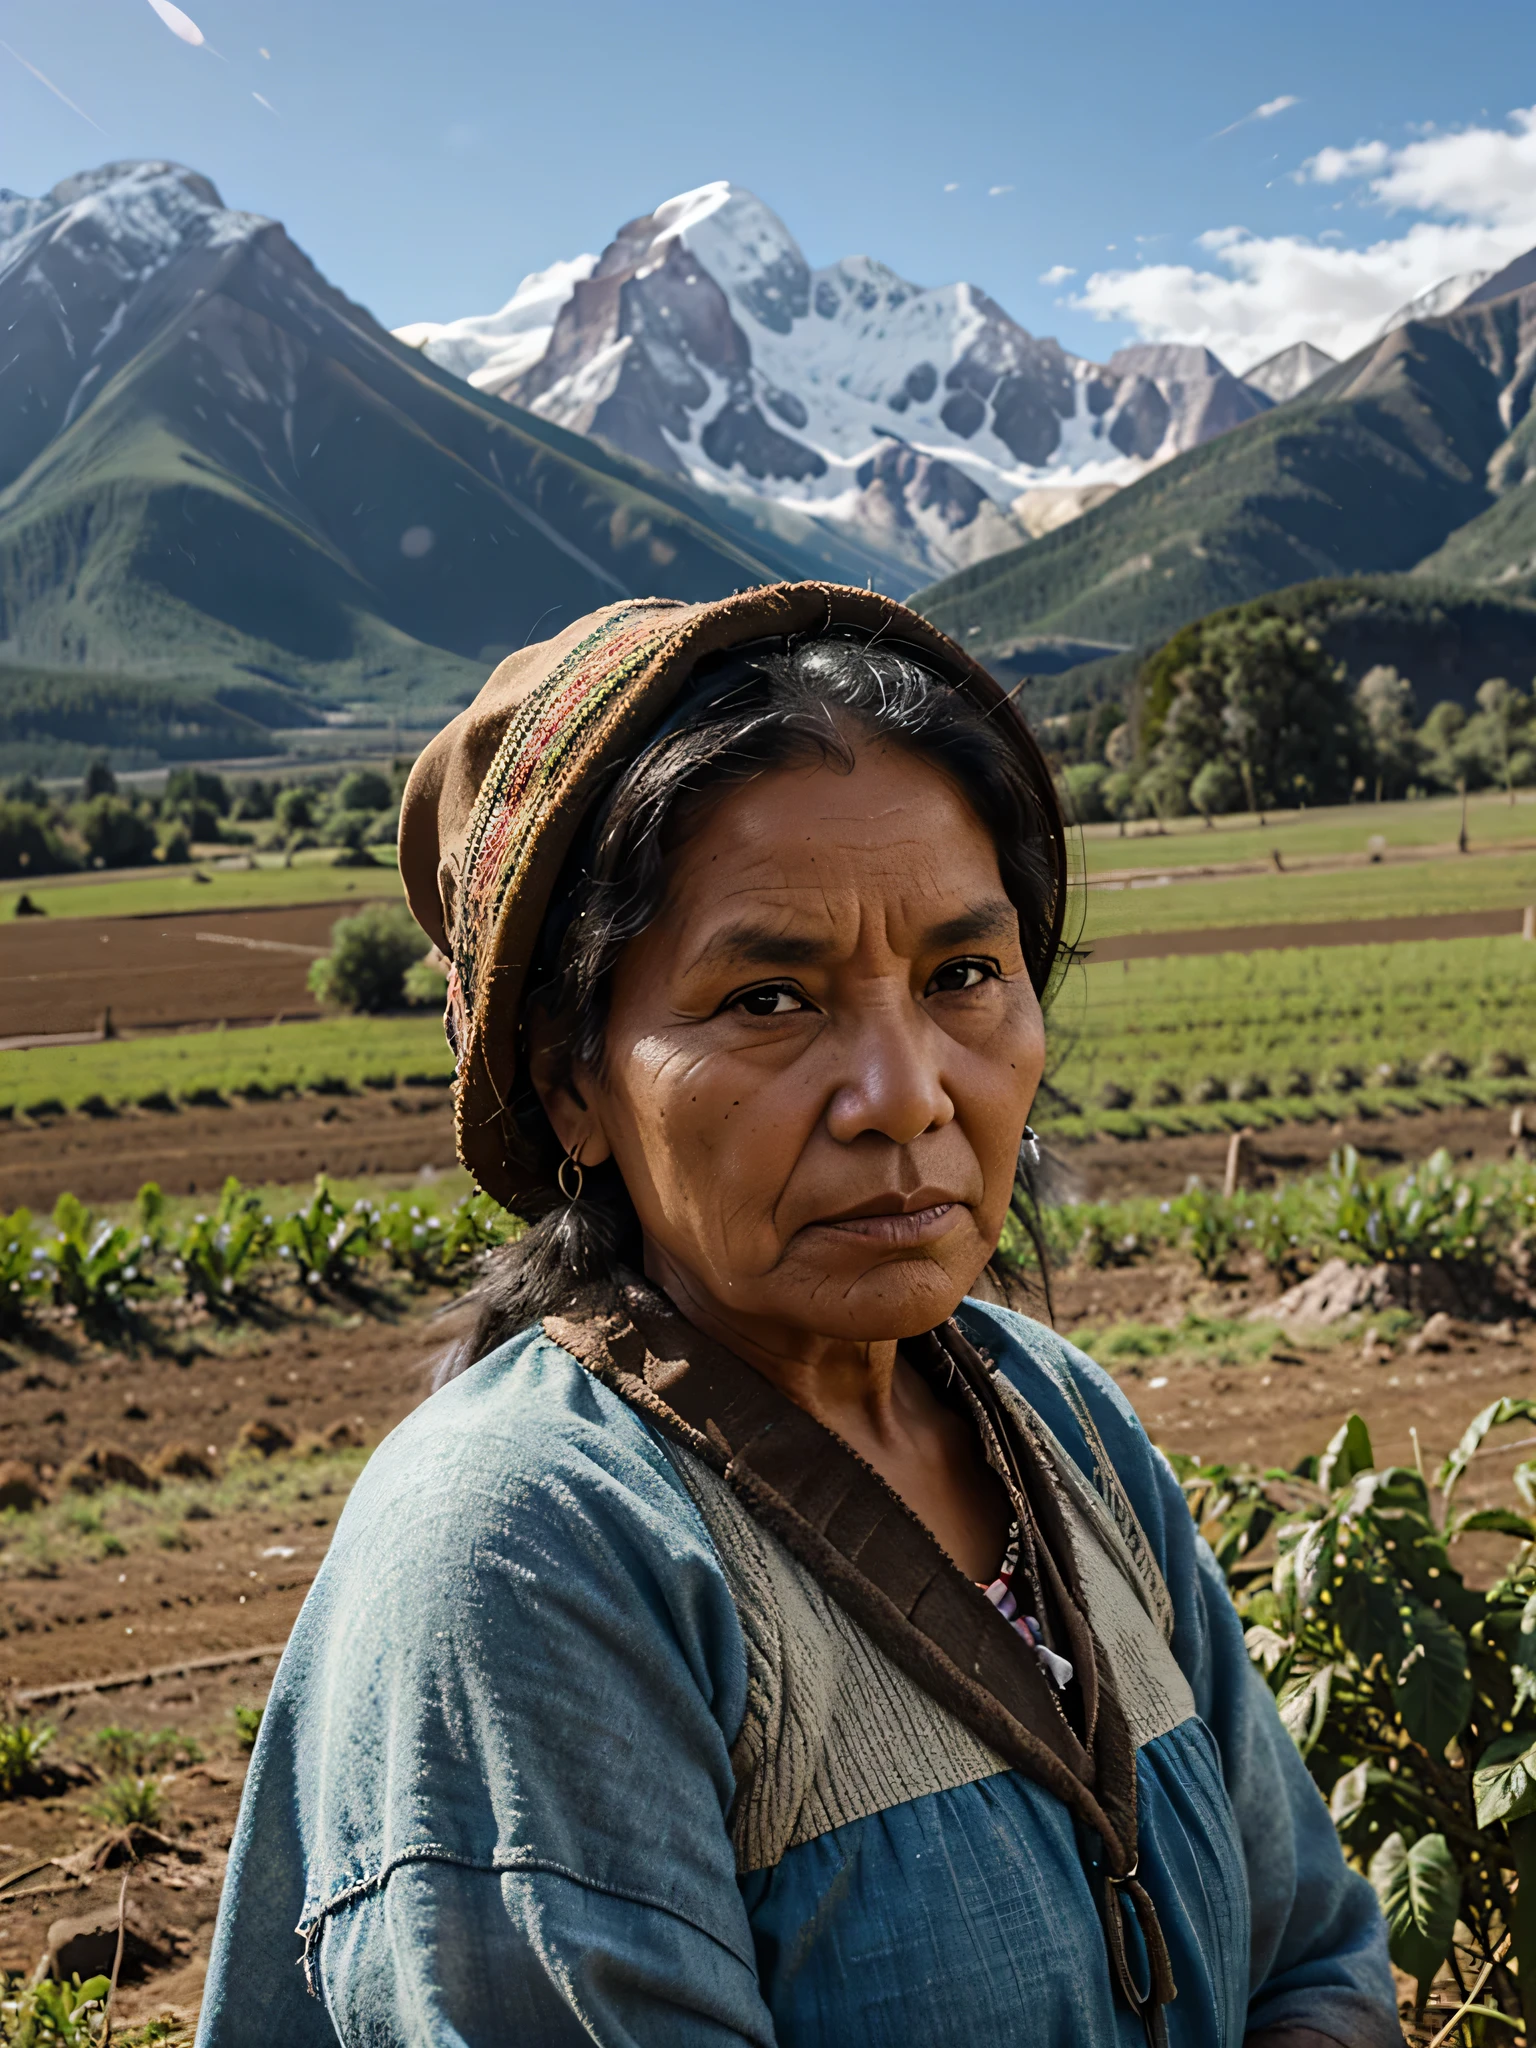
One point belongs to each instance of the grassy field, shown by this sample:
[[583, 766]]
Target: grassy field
[[1345, 829], [1419, 888], [313, 878], [350, 1052], [1255, 1020]]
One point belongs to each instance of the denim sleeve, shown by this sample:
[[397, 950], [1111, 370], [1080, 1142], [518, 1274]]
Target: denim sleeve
[[472, 1959], [1319, 1950], [488, 1800]]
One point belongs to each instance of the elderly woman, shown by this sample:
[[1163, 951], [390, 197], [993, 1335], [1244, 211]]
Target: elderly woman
[[765, 1639]]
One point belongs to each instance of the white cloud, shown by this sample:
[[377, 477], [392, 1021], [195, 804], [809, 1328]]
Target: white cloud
[[1266, 112], [1473, 192], [1057, 274], [952, 188], [997, 191]]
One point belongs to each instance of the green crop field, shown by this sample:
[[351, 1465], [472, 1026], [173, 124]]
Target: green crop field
[[351, 1052], [311, 879], [1275, 1027], [1345, 829], [1413, 889]]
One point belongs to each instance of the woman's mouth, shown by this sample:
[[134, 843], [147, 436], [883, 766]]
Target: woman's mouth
[[897, 1228]]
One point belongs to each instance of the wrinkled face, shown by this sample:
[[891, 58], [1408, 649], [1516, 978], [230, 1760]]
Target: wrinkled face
[[822, 1054]]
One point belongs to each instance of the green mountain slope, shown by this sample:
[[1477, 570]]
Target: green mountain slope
[[1369, 470], [252, 479]]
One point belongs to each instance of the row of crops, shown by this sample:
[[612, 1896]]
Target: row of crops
[[103, 1271], [1436, 1212], [1196, 1042]]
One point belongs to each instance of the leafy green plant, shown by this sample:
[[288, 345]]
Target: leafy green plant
[[22, 1277], [130, 1752], [96, 1268], [21, 1754], [51, 2015], [1430, 1213], [1411, 1694], [370, 953], [324, 1242], [247, 1725], [1212, 1232], [218, 1256], [129, 1801]]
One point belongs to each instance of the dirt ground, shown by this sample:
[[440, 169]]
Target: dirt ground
[[403, 1130], [183, 1580], [1274, 938], [193, 1150], [155, 973]]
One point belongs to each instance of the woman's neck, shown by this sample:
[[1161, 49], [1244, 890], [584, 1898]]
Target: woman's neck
[[847, 1385]]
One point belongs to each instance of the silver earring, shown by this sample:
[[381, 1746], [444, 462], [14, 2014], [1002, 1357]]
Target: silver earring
[[571, 1194], [1031, 1145]]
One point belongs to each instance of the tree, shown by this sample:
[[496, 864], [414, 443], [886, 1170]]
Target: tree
[[1081, 787], [294, 808], [369, 957], [1495, 733], [115, 834], [99, 779], [1217, 788], [363, 789], [28, 843], [1259, 694], [186, 787], [1385, 702], [1443, 744]]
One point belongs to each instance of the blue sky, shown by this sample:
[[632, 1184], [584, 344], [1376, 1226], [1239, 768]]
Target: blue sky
[[427, 156]]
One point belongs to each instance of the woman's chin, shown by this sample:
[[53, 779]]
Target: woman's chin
[[896, 1299]]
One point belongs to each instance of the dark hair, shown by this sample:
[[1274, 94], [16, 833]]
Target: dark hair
[[745, 714]]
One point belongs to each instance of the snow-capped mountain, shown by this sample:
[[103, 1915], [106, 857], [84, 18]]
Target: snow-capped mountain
[[926, 422], [1444, 297], [1291, 370]]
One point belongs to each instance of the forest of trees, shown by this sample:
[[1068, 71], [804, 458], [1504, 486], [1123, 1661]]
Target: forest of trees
[[1249, 714]]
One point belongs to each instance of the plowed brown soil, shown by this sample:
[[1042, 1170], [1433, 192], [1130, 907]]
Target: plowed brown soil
[[191, 1151], [232, 1583], [154, 973]]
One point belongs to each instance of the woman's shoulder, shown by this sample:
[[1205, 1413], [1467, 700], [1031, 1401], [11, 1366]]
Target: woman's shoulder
[[522, 1453]]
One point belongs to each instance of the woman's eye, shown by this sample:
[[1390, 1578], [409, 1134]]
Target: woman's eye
[[955, 975], [773, 999]]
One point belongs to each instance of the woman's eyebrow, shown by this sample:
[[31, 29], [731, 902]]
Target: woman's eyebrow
[[997, 919], [759, 945]]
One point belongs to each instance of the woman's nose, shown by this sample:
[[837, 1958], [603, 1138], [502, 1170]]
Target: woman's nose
[[891, 1080]]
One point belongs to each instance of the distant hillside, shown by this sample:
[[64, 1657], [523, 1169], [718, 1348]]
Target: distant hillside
[[1446, 639], [54, 722], [214, 468], [1373, 468]]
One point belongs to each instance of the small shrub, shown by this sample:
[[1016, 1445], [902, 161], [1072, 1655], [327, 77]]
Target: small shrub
[[1164, 1094], [366, 967], [1210, 1088], [21, 1754], [219, 1255], [1297, 1082], [1250, 1088], [1212, 1236], [426, 983], [1113, 1096], [1345, 1080], [247, 1725], [1502, 1065], [1396, 1074], [129, 1801], [325, 1243]]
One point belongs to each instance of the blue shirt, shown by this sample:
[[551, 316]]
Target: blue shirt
[[501, 1791]]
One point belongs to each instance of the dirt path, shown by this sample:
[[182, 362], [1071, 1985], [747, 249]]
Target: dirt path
[[1273, 938]]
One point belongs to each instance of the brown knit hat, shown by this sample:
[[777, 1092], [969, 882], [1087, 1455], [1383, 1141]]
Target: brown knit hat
[[496, 801]]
